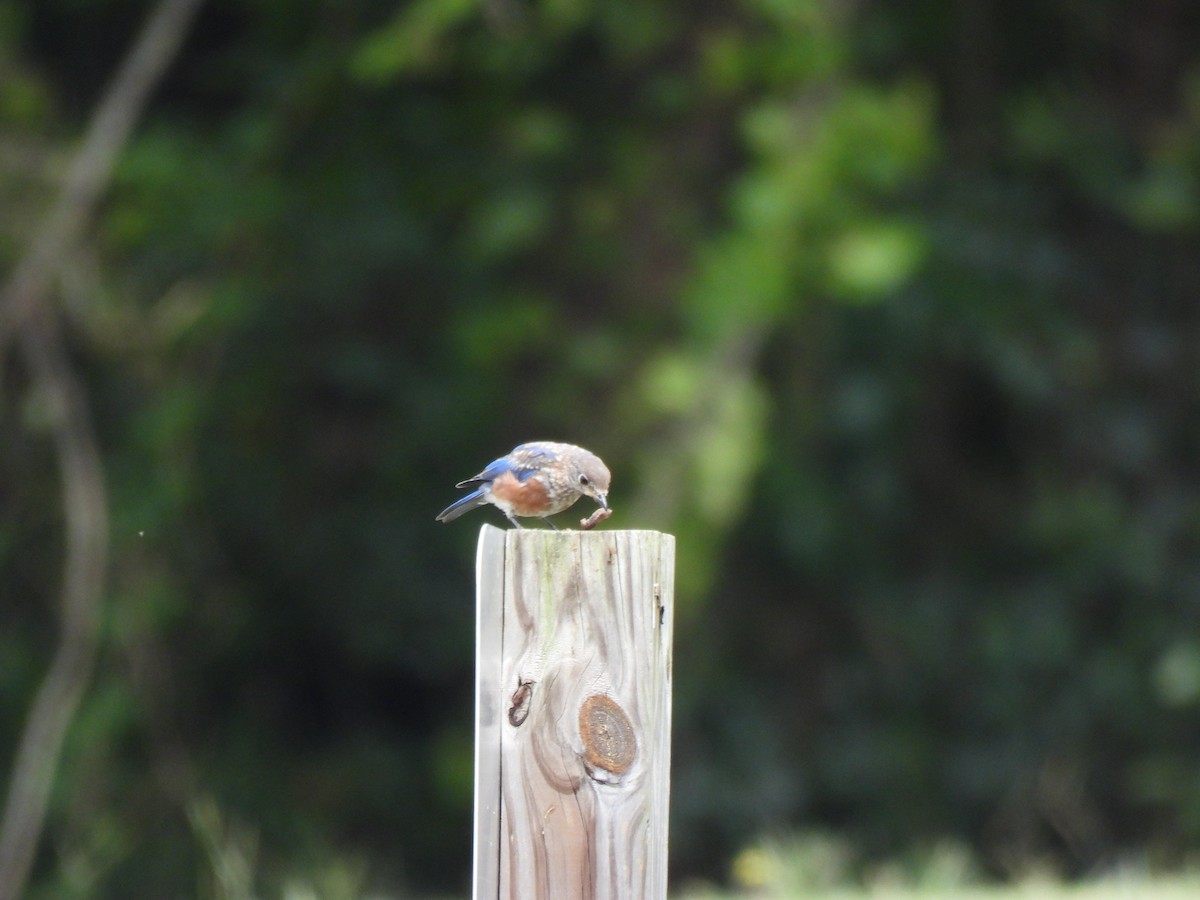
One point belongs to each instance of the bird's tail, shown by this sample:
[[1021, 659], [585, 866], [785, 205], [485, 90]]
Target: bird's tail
[[462, 505]]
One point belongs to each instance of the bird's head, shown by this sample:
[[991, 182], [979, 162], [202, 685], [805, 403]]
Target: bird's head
[[592, 478]]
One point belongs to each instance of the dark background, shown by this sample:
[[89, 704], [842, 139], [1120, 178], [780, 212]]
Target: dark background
[[887, 311]]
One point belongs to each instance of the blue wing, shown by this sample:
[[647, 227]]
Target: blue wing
[[522, 462], [528, 458], [495, 469]]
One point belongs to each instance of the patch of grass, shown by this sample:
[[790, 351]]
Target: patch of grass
[[821, 867]]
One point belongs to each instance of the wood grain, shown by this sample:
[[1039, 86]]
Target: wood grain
[[573, 714]]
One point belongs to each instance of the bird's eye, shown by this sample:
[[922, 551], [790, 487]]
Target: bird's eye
[[583, 479]]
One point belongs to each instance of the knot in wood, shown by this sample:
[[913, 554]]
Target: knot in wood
[[519, 711], [609, 741]]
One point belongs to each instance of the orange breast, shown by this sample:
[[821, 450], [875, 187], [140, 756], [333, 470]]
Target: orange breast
[[524, 498]]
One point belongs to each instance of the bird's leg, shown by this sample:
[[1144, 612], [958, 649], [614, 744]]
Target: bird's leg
[[513, 519], [551, 524]]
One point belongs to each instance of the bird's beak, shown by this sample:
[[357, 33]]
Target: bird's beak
[[602, 499]]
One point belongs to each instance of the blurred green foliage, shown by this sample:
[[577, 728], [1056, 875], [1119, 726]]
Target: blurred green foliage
[[886, 310]]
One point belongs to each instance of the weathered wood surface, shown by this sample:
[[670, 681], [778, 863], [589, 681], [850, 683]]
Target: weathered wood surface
[[573, 714]]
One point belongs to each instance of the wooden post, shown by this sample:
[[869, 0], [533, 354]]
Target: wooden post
[[573, 714]]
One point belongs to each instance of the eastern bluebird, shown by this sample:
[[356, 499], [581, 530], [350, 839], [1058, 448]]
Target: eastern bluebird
[[535, 480]]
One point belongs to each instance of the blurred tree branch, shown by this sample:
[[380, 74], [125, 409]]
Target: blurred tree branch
[[26, 316]]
